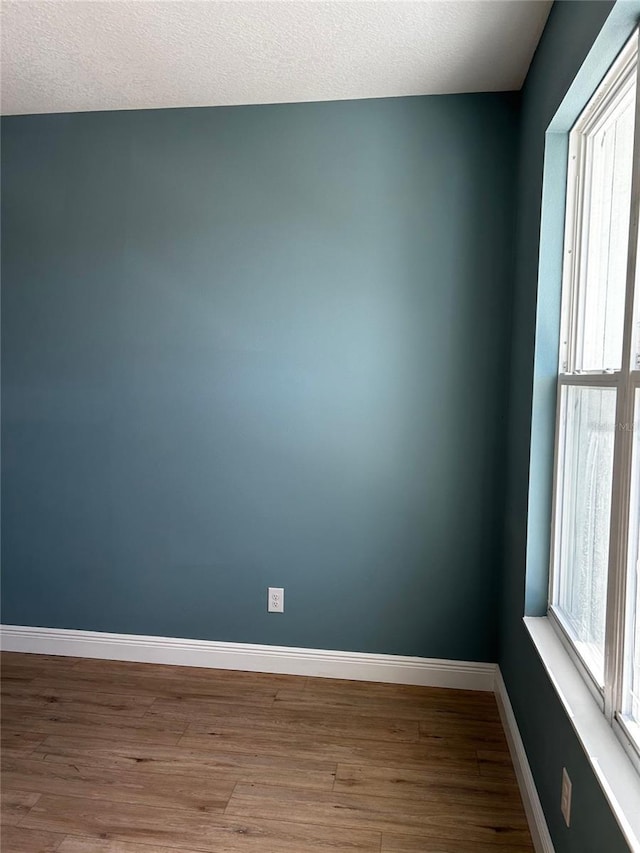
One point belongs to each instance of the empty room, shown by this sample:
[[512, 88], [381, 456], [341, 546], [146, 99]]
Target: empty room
[[320, 426]]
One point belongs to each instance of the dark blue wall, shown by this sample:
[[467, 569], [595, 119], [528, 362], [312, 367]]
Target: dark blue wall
[[259, 346], [547, 732]]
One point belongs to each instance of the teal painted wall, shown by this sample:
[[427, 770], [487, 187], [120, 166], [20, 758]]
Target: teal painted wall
[[572, 29], [259, 346]]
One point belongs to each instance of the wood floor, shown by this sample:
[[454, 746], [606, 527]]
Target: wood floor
[[137, 758]]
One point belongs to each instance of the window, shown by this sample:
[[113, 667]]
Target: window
[[594, 598]]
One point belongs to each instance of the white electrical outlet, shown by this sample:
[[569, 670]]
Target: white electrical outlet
[[565, 797], [275, 603]]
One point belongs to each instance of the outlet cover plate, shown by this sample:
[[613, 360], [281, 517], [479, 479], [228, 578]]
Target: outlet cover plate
[[565, 797], [275, 602]]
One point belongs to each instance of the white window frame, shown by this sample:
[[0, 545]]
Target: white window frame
[[625, 381]]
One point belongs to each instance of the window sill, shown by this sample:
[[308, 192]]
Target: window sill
[[610, 763]]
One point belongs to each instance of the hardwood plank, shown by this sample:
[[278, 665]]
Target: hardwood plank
[[379, 689], [16, 839], [493, 762], [409, 844], [23, 667], [115, 726], [457, 742], [192, 709], [501, 825], [203, 719], [85, 844], [484, 732], [19, 743], [15, 677], [75, 701], [12, 707], [421, 756], [421, 703], [169, 687], [167, 827], [188, 674], [173, 681], [170, 760], [456, 788], [24, 660], [15, 805], [122, 786]]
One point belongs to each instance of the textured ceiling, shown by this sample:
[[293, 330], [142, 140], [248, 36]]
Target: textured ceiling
[[77, 55]]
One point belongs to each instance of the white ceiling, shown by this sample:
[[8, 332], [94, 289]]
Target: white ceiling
[[76, 55]]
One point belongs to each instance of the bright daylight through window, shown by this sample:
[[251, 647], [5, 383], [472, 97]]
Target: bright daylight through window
[[595, 591]]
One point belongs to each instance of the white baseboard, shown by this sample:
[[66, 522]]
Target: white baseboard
[[531, 801], [355, 666]]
